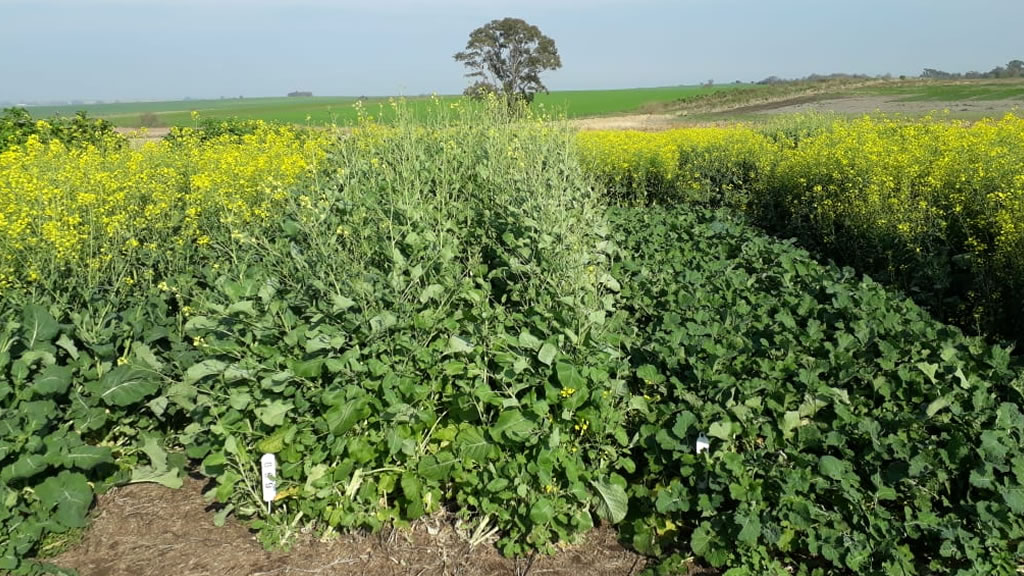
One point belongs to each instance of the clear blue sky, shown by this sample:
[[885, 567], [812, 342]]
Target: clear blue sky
[[170, 49]]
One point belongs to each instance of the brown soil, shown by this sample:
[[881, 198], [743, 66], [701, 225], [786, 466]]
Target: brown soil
[[857, 105], [148, 530], [643, 122]]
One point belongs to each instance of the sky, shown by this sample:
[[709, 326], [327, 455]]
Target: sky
[[125, 50]]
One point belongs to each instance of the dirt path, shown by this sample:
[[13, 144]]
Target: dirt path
[[643, 122], [148, 530]]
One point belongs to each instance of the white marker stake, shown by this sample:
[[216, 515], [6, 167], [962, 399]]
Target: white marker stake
[[703, 444], [268, 470]]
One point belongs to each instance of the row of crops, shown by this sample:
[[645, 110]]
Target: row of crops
[[932, 207], [448, 313]]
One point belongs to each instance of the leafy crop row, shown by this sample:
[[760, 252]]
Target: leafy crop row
[[850, 432], [17, 126], [444, 313], [929, 207]]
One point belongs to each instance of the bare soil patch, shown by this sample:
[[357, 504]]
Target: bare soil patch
[[642, 122], [149, 530], [139, 136], [857, 105]]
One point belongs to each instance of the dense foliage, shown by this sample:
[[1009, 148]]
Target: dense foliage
[[850, 432], [445, 313], [507, 57], [74, 218], [930, 207], [17, 127]]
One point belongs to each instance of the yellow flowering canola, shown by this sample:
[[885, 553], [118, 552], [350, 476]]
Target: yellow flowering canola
[[94, 212], [905, 179]]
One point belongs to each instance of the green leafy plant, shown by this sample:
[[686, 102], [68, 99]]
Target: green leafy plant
[[17, 125], [849, 432]]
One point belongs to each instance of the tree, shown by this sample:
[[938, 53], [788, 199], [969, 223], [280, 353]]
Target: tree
[[508, 56], [479, 90]]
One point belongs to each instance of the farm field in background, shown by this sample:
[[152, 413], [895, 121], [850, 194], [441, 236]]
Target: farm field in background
[[328, 110], [646, 108], [530, 328], [954, 100]]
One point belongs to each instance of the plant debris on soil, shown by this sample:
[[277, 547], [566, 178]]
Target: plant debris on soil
[[149, 530]]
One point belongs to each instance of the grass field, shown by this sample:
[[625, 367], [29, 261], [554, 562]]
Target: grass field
[[328, 109], [961, 100], [952, 92]]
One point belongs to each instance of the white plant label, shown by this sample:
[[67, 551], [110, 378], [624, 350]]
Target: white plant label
[[268, 471], [703, 444]]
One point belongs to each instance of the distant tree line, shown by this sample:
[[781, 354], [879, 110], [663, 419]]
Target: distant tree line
[[1013, 69]]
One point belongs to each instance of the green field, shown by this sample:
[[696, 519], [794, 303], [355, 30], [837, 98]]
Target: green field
[[979, 90], [328, 109], [733, 102]]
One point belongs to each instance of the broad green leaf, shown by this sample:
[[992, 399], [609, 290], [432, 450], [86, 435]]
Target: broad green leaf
[[436, 468], [700, 540], [937, 405], [512, 425], [272, 413], [183, 395], [147, 474], [341, 303], [341, 418], [213, 464], [790, 422], [1014, 498], [721, 430], [547, 353], [431, 292], [52, 381], [246, 307], [70, 494], [26, 466], [527, 340], [158, 405], [612, 502], [125, 385], [86, 418], [473, 446], [382, 322], [457, 345], [153, 448], [684, 422], [197, 372], [831, 467], [275, 442], [145, 355], [928, 369], [239, 399], [67, 344], [568, 376], [37, 325], [750, 528], [542, 511], [86, 457], [311, 368]]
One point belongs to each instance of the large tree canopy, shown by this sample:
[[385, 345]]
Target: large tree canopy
[[507, 56]]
